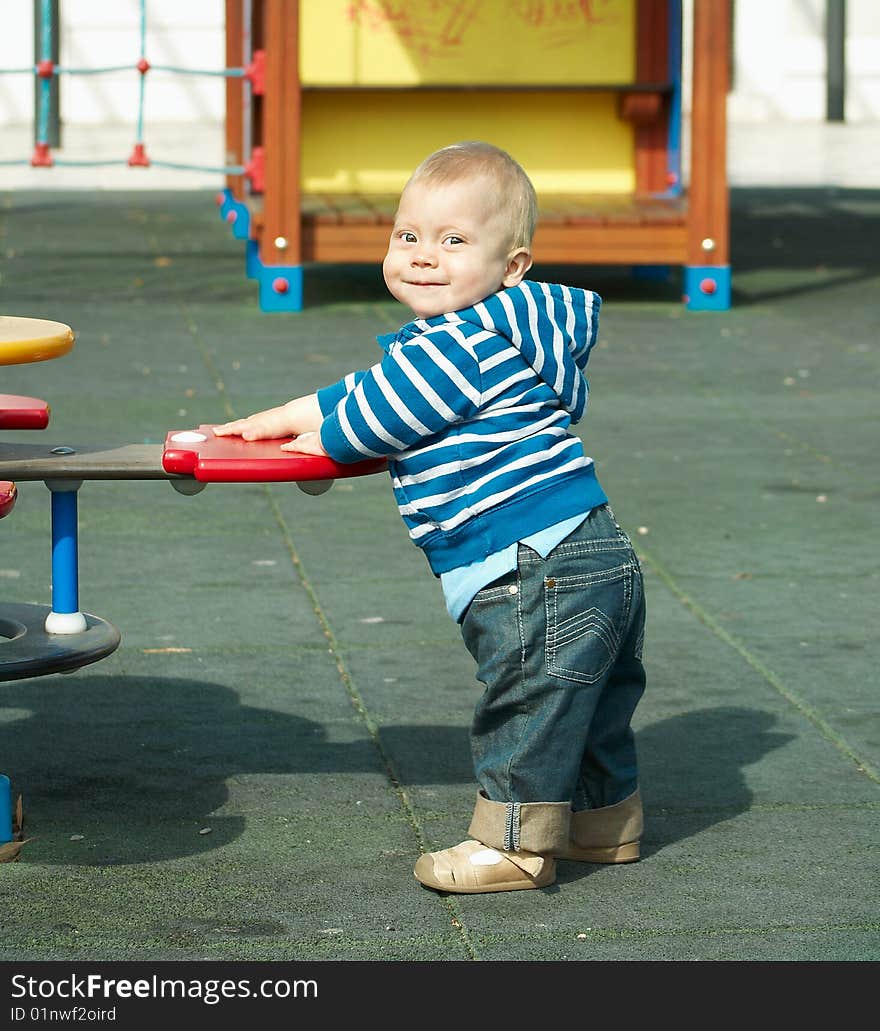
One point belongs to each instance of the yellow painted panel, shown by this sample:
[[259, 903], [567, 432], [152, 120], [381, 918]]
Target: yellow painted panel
[[567, 142], [444, 42]]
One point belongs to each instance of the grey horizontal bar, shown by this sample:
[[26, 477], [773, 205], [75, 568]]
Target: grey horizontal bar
[[85, 462]]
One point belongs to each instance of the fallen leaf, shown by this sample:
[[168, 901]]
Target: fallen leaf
[[10, 852]]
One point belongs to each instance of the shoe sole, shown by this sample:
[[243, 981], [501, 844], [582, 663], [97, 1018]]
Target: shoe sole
[[484, 889], [626, 853]]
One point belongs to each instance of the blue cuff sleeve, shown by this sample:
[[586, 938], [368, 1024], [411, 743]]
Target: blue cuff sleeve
[[329, 397], [335, 443]]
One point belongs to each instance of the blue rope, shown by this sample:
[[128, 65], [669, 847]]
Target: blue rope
[[229, 73], [139, 136], [59, 69], [89, 164], [64, 70], [230, 170]]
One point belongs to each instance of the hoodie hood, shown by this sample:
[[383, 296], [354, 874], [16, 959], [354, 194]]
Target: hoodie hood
[[554, 327]]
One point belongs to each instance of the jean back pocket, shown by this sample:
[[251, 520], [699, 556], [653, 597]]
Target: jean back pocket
[[587, 618]]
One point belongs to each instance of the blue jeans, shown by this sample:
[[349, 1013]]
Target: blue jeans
[[558, 646]]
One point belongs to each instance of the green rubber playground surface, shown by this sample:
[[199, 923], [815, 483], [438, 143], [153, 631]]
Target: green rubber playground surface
[[253, 773]]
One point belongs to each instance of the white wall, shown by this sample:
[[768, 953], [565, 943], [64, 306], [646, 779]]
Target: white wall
[[94, 33], [779, 72], [779, 64]]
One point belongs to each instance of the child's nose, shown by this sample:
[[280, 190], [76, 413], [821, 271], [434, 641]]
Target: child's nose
[[424, 257]]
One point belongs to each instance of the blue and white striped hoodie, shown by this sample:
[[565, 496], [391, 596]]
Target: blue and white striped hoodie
[[473, 411]]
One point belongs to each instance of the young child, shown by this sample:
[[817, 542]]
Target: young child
[[472, 403]]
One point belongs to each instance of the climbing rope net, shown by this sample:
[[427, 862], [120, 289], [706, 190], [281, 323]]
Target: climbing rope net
[[45, 70]]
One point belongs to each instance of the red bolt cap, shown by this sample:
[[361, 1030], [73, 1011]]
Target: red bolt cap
[[218, 200], [41, 158], [143, 66], [280, 285], [672, 178], [139, 157], [708, 286], [231, 216], [45, 69]]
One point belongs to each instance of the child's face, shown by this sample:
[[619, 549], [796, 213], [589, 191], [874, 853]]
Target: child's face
[[450, 248]]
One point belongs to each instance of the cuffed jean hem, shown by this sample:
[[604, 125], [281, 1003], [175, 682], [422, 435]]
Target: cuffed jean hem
[[540, 827]]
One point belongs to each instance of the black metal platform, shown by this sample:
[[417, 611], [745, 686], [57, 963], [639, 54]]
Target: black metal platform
[[26, 650]]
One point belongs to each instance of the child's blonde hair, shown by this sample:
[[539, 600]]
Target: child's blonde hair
[[514, 195]]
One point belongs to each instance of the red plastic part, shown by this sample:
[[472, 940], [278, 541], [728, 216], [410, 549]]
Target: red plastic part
[[280, 285], [231, 216], [41, 158], [255, 169], [143, 66], [255, 73], [8, 495], [23, 413], [45, 69], [233, 460], [708, 286], [139, 157]]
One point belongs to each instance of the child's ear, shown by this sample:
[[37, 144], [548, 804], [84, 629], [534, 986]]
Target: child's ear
[[517, 265]]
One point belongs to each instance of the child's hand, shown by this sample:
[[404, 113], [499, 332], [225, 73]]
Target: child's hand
[[297, 416], [307, 444], [268, 425]]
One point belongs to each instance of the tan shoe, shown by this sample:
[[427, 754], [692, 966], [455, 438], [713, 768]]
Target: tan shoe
[[607, 835], [471, 867]]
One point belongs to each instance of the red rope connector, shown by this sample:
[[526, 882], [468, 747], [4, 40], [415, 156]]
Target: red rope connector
[[255, 73], [255, 169], [45, 69], [139, 156], [41, 158], [143, 66]]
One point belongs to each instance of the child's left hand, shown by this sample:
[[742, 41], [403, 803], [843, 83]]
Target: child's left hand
[[307, 444]]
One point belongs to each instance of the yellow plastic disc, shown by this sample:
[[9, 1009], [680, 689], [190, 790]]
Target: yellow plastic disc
[[32, 340]]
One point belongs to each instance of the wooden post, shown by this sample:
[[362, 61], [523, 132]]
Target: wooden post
[[652, 65], [280, 235], [234, 96], [708, 201]]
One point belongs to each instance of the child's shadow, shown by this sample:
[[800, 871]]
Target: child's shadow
[[117, 770], [691, 770]]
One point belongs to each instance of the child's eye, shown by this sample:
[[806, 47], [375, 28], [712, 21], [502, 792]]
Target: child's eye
[[407, 237], [454, 240]]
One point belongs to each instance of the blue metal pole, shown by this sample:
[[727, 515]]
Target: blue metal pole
[[64, 616], [5, 810], [65, 572]]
